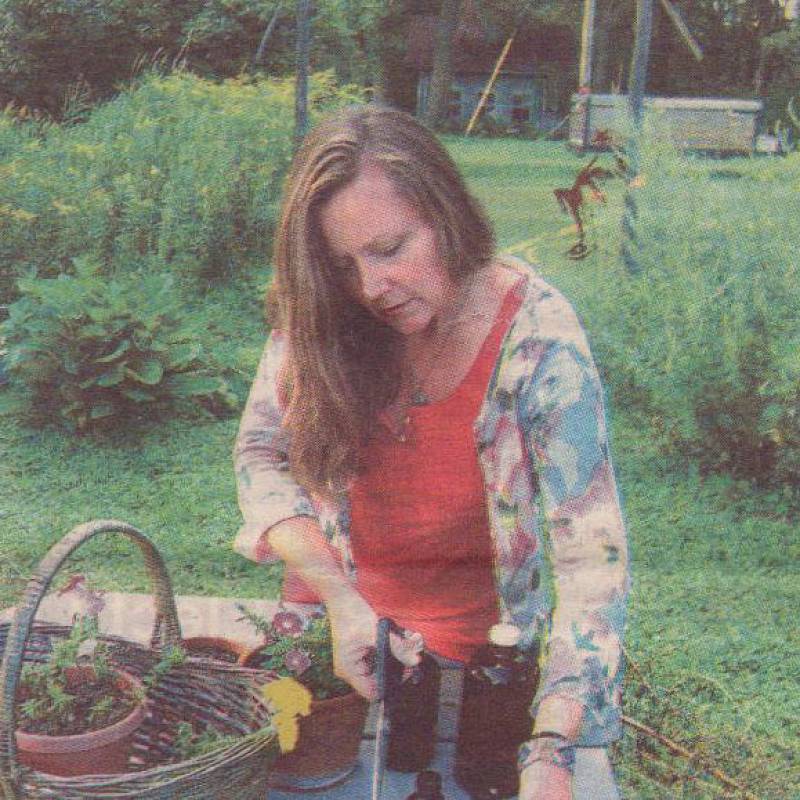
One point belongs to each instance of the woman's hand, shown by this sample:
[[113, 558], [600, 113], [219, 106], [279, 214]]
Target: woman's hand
[[353, 628], [543, 781]]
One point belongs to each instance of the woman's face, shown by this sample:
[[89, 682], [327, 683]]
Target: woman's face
[[387, 252]]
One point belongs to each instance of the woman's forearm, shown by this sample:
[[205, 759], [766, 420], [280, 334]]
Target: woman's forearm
[[300, 542]]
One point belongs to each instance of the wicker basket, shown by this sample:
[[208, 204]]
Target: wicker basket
[[209, 694]]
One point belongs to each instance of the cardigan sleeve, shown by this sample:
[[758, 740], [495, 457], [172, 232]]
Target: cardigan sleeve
[[585, 544], [266, 490]]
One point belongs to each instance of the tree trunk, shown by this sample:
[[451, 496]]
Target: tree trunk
[[262, 45], [602, 32], [637, 82], [606, 23], [442, 74], [303, 51], [761, 69]]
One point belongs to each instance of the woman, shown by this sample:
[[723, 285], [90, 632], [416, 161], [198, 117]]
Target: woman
[[425, 438]]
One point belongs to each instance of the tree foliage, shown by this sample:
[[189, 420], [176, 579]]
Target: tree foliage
[[46, 46], [53, 49]]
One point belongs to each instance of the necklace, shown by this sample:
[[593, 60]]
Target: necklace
[[399, 422]]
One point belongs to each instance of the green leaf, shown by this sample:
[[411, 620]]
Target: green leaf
[[101, 410], [137, 395], [181, 355], [99, 314], [113, 377], [12, 403], [121, 348], [193, 385], [70, 364], [148, 371]]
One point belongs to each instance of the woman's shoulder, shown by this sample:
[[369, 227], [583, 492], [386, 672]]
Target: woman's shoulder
[[545, 314]]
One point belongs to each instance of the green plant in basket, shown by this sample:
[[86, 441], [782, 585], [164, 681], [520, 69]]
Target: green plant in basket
[[76, 690], [297, 646]]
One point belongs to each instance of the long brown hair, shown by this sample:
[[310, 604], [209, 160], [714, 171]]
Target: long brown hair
[[343, 362]]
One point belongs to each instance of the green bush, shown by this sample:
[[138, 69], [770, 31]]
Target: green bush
[[706, 336], [92, 351], [179, 168]]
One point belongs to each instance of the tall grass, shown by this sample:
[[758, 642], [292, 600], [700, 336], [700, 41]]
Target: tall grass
[[182, 169], [714, 559], [705, 337]]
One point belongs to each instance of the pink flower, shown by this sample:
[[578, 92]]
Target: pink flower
[[297, 661], [285, 623]]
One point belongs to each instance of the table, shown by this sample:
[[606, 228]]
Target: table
[[396, 785], [131, 615]]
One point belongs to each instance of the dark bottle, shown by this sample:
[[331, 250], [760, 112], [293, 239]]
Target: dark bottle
[[413, 710], [429, 786], [499, 684]]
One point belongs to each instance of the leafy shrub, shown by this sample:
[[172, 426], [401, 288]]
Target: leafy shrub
[[180, 168], [706, 336], [91, 350]]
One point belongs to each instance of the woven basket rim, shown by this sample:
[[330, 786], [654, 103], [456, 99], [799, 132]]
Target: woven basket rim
[[160, 774], [240, 698]]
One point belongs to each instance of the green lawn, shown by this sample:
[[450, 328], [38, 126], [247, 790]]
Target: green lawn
[[716, 578]]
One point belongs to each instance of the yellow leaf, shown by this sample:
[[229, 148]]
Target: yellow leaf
[[288, 731], [290, 700]]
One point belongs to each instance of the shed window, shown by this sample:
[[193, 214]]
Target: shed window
[[454, 103], [520, 107]]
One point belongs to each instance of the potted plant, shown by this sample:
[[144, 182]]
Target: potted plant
[[77, 713], [299, 647]]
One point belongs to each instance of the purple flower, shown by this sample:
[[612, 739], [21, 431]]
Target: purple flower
[[297, 661], [285, 623]]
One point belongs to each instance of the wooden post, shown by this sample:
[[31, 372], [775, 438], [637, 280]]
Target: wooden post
[[262, 45], [442, 72], [487, 90], [683, 29], [641, 55], [585, 69], [302, 50], [636, 88], [587, 45]]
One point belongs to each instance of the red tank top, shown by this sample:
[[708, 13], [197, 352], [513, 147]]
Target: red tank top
[[419, 527]]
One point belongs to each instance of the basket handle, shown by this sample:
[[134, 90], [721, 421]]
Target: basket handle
[[167, 627]]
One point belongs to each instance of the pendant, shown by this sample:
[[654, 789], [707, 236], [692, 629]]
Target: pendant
[[419, 398], [402, 434]]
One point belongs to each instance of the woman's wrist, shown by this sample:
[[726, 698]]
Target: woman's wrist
[[550, 748], [344, 598]]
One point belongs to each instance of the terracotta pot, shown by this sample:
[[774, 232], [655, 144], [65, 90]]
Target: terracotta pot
[[327, 748], [216, 647], [103, 751]]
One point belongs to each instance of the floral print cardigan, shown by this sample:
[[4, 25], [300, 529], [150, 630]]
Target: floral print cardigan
[[560, 551]]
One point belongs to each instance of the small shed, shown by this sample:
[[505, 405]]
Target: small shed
[[719, 125], [533, 87]]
